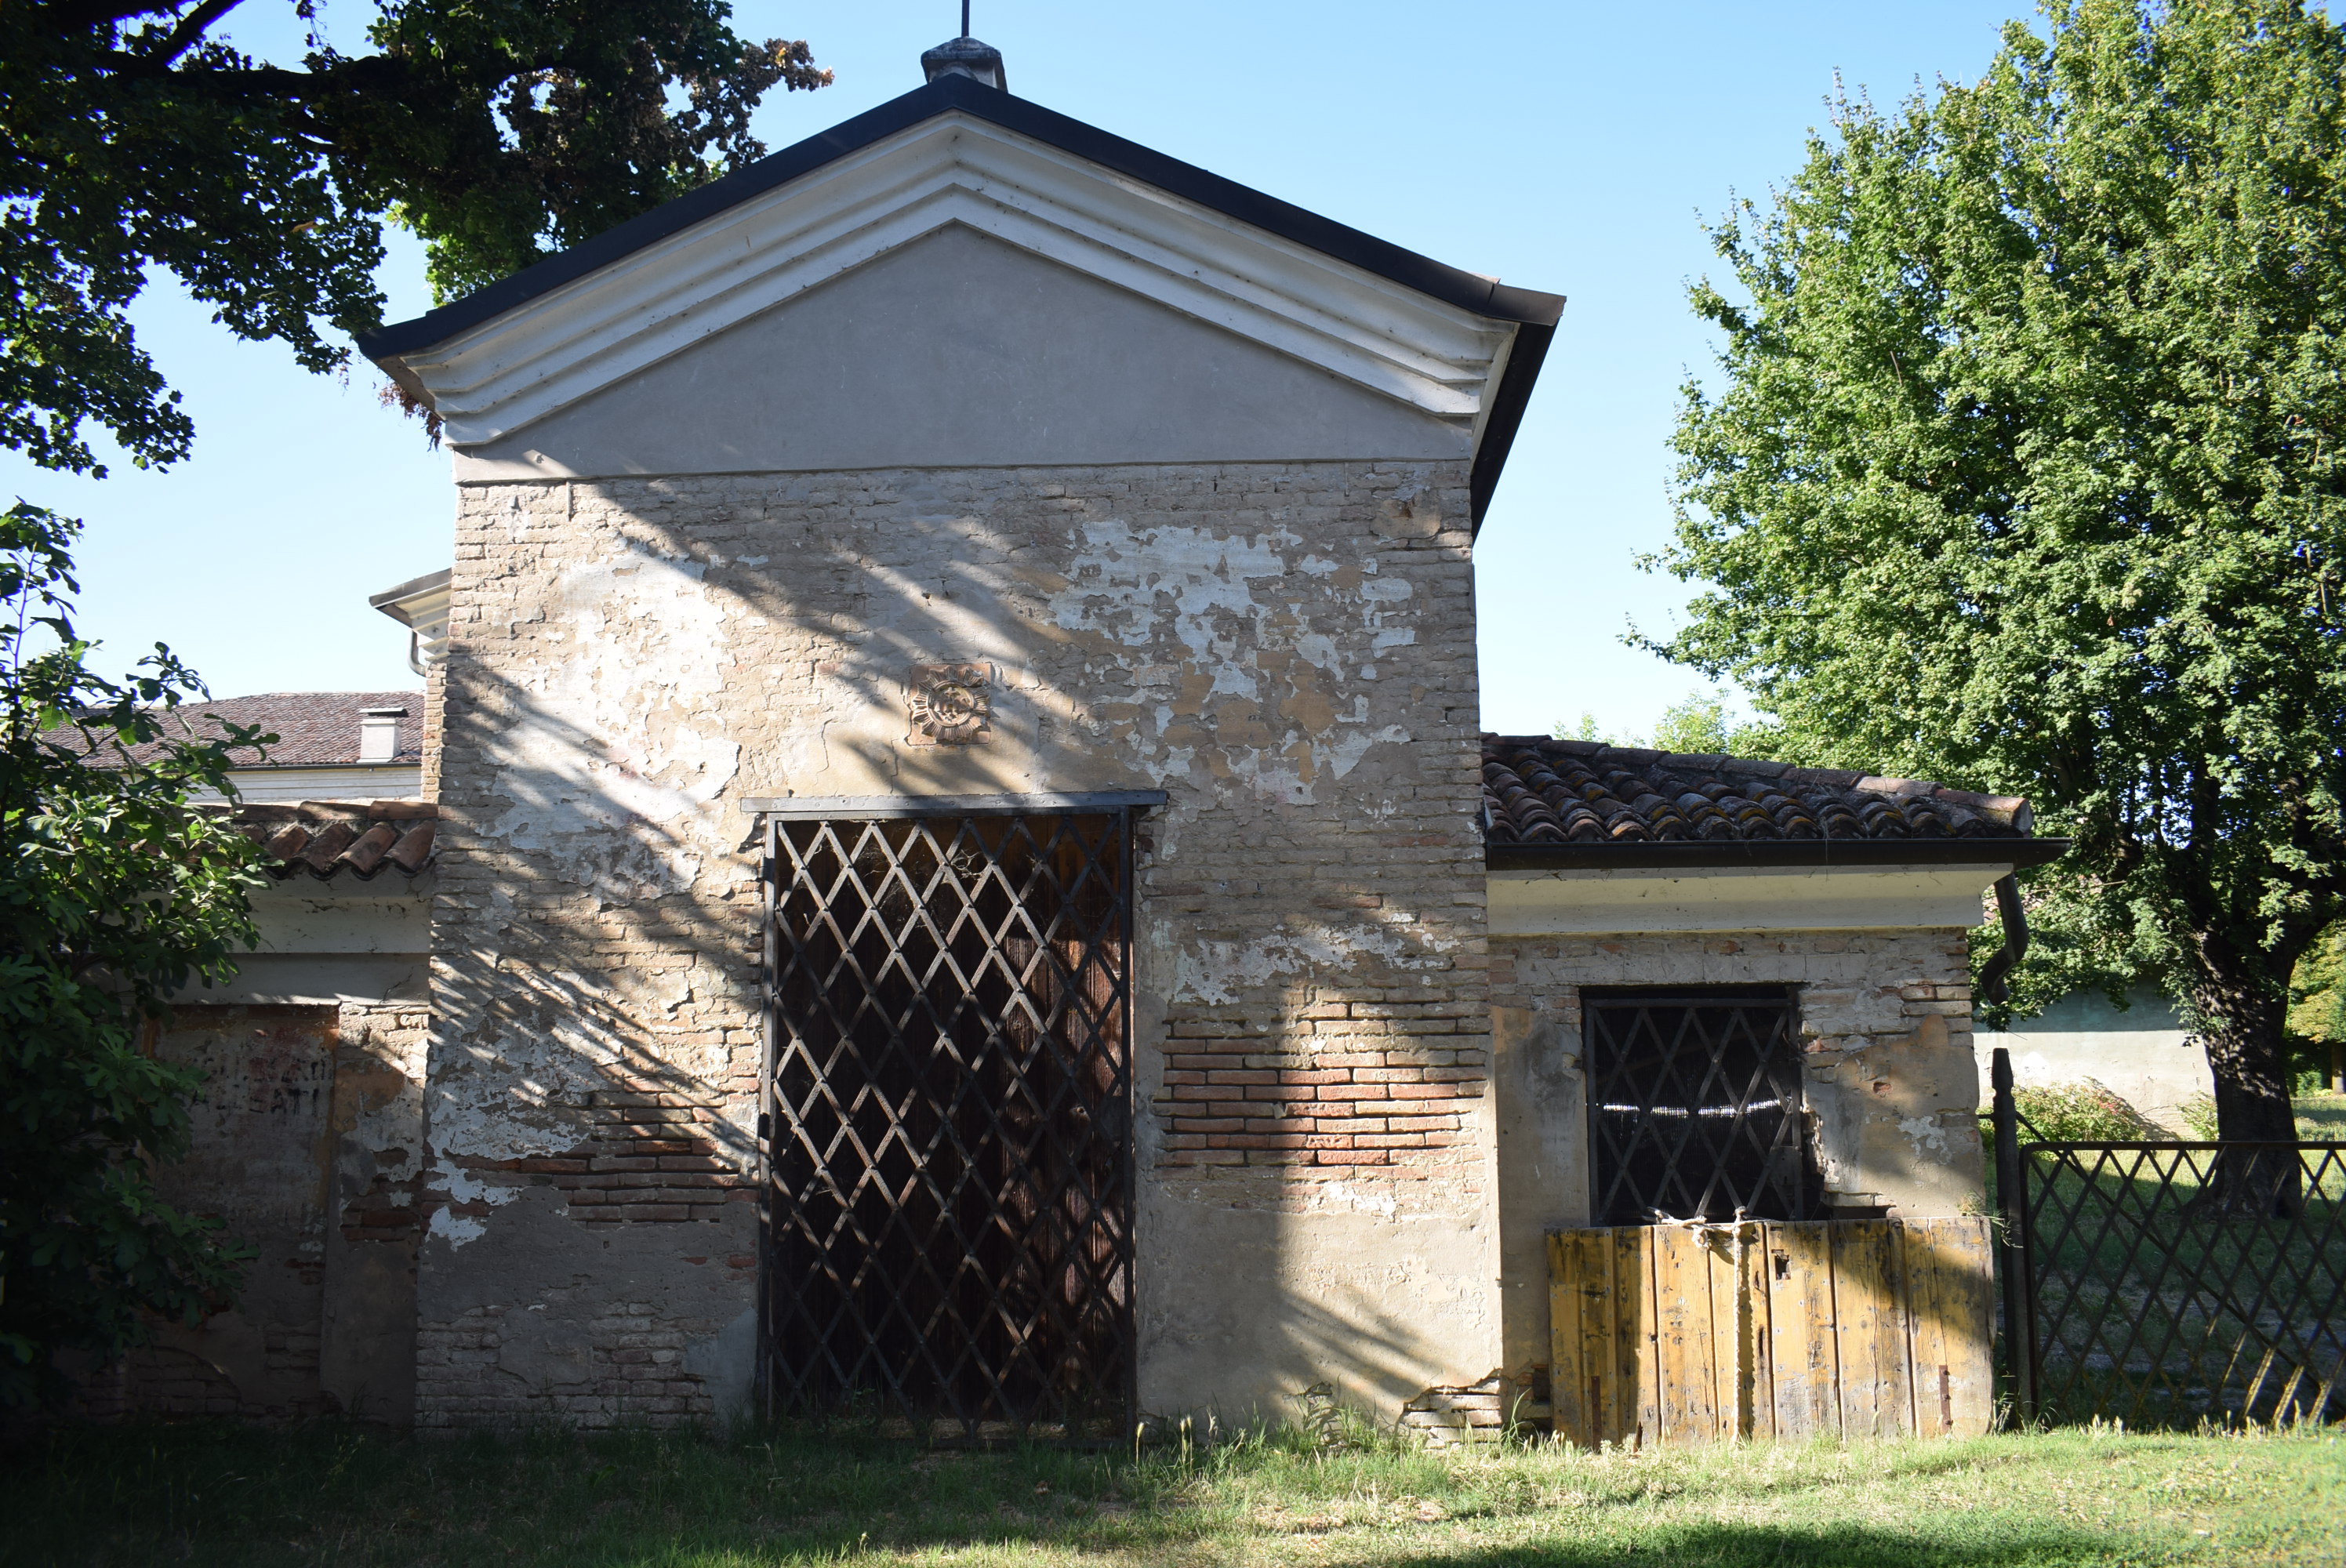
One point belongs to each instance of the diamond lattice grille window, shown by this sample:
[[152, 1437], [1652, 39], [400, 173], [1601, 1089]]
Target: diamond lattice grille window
[[1695, 1106], [948, 1205]]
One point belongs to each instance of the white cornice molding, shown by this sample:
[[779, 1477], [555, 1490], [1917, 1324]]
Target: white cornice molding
[[328, 782], [1601, 903], [552, 350]]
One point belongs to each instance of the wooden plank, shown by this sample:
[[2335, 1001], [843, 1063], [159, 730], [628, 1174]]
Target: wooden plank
[[1636, 1331], [1755, 1354], [1870, 1319], [1731, 1351], [1951, 1298], [1684, 1373], [1805, 1354], [1856, 1328], [1601, 1333], [1582, 1362], [1570, 1412]]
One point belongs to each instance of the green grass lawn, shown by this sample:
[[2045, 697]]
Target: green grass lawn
[[2322, 1118], [327, 1495]]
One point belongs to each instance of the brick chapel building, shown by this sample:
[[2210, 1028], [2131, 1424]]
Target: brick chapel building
[[968, 884]]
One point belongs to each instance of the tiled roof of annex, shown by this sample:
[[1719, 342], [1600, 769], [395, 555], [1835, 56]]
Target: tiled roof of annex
[[324, 838], [1537, 791]]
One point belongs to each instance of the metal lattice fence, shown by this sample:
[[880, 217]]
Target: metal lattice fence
[[2166, 1284], [1695, 1106], [948, 1204]]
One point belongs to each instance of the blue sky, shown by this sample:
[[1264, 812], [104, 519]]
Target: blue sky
[[1566, 147]]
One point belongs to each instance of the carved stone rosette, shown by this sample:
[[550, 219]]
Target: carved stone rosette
[[951, 703]]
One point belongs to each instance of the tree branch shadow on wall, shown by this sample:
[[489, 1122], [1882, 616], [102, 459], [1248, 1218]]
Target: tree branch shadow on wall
[[590, 1112], [598, 1050], [598, 973], [853, 632]]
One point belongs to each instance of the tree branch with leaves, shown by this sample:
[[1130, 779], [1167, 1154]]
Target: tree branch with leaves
[[133, 138]]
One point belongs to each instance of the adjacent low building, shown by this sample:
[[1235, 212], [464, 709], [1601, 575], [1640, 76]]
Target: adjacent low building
[[306, 1138]]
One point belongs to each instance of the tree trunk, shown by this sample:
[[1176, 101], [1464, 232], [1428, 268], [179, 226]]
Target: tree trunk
[[2245, 1029]]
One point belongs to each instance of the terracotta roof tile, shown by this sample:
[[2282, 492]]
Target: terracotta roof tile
[[1537, 791], [325, 838]]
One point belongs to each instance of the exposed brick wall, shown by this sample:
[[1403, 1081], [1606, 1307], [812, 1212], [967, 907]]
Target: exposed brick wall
[[1308, 1096], [646, 1160], [1286, 649], [380, 1170], [436, 695], [626, 1359], [295, 1131], [258, 1131]]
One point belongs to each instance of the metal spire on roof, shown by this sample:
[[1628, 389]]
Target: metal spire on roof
[[964, 18]]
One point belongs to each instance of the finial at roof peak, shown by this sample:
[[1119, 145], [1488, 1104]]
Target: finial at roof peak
[[965, 56]]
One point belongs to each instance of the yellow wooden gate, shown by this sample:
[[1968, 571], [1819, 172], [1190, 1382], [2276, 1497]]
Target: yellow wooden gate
[[1682, 1333]]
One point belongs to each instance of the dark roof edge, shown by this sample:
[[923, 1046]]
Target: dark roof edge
[[1513, 395], [1467, 290], [1706, 853]]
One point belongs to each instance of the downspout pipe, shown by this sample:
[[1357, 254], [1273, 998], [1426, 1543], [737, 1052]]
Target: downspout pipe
[[2016, 940]]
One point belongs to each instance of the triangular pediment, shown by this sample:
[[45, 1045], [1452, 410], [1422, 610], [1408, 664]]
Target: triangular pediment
[[549, 351], [960, 350], [1452, 346]]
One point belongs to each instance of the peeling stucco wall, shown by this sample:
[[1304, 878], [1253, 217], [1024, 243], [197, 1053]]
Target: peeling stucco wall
[[1286, 649]]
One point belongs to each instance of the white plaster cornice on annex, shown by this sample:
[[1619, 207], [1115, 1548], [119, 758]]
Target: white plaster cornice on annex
[[1605, 902], [339, 781], [560, 347], [390, 914]]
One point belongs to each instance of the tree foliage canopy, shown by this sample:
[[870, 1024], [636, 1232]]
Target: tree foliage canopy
[[117, 889], [132, 138], [2317, 992], [1699, 724], [2025, 473]]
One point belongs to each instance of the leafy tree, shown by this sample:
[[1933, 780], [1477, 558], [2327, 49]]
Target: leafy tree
[[2025, 473], [117, 889], [2317, 1004], [1700, 725], [132, 138]]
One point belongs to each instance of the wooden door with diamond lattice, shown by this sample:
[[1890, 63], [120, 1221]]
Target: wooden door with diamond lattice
[[948, 1123]]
